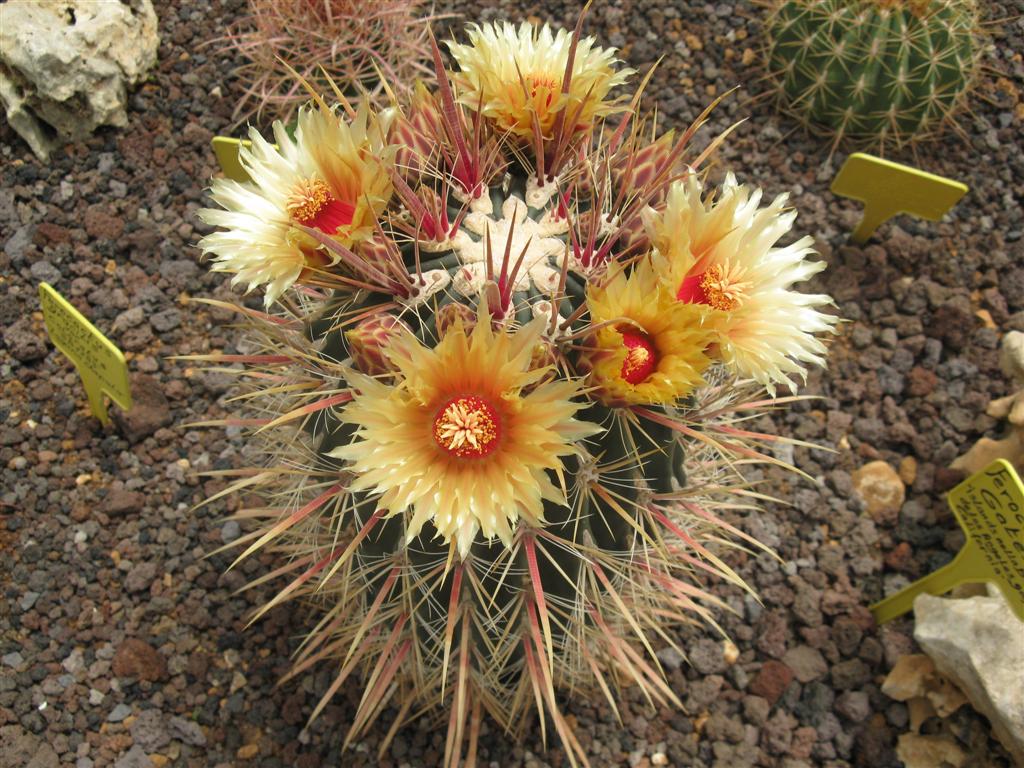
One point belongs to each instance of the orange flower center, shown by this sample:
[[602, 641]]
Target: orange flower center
[[468, 427], [717, 287], [641, 357], [312, 204]]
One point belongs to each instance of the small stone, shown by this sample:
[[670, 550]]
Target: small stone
[[136, 658], [24, 343], [44, 271], [149, 412], [150, 730], [140, 576], [247, 751], [75, 662], [100, 224], [119, 501], [135, 757], [13, 659], [95, 697], [28, 600], [882, 490], [130, 318], [850, 674], [807, 663], [119, 713], [165, 321], [772, 681], [230, 531], [854, 706], [706, 657], [187, 731], [908, 470]]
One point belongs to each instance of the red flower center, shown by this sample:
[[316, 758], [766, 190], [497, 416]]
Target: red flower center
[[641, 357], [468, 427], [312, 204]]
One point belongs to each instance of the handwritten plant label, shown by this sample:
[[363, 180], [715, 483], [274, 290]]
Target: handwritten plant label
[[888, 189], [989, 506], [100, 364]]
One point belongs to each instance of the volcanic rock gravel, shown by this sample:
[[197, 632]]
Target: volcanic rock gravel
[[123, 641]]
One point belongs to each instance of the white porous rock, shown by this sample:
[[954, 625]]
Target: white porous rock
[[66, 65], [978, 643]]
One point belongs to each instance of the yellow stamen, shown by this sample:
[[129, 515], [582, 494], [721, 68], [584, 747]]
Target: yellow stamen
[[307, 199], [723, 288], [467, 427]]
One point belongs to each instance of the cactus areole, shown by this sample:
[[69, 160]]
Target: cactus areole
[[875, 71], [508, 346]]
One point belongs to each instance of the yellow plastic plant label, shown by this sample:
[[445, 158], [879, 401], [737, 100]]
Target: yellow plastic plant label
[[226, 151], [100, 364], [888, 189], [989, 506]]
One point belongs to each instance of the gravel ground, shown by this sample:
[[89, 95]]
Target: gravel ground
[[121, 644]]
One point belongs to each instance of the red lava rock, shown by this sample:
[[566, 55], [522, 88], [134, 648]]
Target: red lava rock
[[921, 381], [137, 658], [772, 681], [898, 558], [148, 413], [48, 233], [119, 502], [101, 225]]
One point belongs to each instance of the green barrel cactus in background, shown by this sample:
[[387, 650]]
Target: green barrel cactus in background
[[881, 72]]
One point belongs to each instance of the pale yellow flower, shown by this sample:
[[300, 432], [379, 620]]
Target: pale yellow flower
[[468, 437], [718, 253], [332, 176], [647, 348], [516, 75]]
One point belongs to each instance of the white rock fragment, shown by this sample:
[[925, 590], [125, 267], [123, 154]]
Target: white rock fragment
[[978, 643], [65, 67]]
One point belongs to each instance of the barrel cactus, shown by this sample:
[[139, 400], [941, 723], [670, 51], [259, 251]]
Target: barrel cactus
[[885, 72], [507, 352]]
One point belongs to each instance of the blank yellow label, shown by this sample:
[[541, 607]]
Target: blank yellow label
[[888, 189], [226, 151], [989, 505], [100, 364]]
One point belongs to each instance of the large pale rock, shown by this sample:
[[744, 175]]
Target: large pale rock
[[978, 643], [66, 65]]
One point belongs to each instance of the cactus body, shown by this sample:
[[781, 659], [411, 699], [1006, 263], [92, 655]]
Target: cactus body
[[874, 71], [502, 395]]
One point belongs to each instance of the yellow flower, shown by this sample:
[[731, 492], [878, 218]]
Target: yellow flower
[[332, 176], [517, 74], [647, 348], [718, 255], [468, 434]]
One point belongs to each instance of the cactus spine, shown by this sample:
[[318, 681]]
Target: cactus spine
[[501, 378], [874, 71]]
